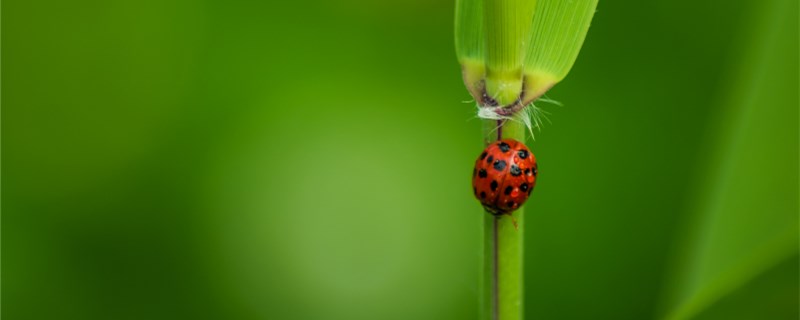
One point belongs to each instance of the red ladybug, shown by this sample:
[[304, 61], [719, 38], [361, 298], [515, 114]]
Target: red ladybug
[[504, 176]]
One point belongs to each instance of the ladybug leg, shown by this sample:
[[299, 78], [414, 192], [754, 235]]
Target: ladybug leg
[[513, 221]]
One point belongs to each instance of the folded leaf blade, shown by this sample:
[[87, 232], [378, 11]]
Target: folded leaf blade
[[559, 28]]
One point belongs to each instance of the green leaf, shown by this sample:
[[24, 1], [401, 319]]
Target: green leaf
[[559, 28], [471, 44], [510, 47], [745, 229], [469, 30]]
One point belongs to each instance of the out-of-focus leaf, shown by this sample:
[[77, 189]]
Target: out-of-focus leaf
[[746, 227], [767, 298]]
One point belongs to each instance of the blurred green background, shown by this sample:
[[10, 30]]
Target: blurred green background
[[311, 160]]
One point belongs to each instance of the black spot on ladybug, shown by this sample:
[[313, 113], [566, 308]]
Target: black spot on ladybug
[[483, 195], [483, 155], [490, 159], [523, 154], [499, 165], [508, 190], [504, 146], [493, 185], [510, 204], [482, 173], [535, 171], [515, 171], [524, 187], [527, 171]]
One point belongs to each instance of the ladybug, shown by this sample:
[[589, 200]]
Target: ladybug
[[504, 176]]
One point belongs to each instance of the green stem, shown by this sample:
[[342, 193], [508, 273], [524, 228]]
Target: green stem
[[507, 28], [503, 250]]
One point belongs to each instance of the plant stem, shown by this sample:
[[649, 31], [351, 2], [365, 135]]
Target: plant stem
[[507, 28], [503, 244]]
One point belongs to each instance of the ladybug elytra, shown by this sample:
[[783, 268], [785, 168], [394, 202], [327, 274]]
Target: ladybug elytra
[[504, 176]]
